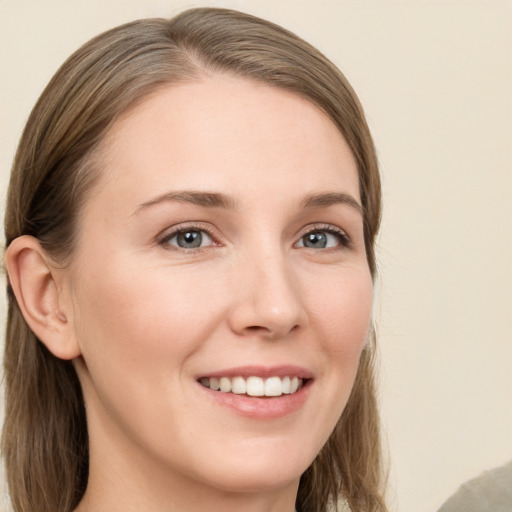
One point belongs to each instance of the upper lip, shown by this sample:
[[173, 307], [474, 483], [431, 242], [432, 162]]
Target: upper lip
[[261, 371]]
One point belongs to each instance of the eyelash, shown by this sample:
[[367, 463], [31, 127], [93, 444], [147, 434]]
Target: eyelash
[[169, 235], [344, 239]]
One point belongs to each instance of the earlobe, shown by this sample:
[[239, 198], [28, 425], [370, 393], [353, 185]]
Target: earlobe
[[35, 283]]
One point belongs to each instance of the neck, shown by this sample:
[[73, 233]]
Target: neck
[[183, 496], [122, 478]]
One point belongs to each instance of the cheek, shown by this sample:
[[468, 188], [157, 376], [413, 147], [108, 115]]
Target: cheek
[[139, 329], [136, 319], [342, 309], [340, 315]]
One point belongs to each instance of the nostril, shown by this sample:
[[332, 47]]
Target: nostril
[[268, 332], [258, 330]]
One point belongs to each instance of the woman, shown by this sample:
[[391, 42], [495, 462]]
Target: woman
[[190, 248]]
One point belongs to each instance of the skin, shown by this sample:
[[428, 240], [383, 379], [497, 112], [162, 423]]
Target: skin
[[148, 317]]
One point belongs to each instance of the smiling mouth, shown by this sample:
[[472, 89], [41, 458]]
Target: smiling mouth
[[254, 386]]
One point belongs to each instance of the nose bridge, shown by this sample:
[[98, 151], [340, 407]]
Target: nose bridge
[[269, 299]]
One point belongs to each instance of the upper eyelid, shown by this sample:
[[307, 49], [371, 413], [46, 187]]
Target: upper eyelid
[[172, 231], [324, 227]]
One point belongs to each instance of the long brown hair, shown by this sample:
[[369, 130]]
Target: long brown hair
[[45, 434]]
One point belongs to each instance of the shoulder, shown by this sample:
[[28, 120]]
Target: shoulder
[[492, 490]]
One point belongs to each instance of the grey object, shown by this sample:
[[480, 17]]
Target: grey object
[[489, 492]]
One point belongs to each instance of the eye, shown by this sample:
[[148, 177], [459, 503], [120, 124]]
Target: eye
[[325, 238], [188, 239]]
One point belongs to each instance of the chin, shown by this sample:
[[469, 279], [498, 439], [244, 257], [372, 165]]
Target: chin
[[259, 474], [252, 481]]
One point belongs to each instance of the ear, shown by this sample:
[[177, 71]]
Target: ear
[[38, 287]]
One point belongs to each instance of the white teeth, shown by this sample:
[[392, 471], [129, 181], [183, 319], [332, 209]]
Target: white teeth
[[273, 387], [239, 386], [286, 385], [225, 384], [254, 386]]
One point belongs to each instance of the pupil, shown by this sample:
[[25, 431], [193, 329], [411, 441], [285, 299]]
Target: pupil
[[315, 240], [190, 239]]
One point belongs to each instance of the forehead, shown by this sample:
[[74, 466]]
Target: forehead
[[226, 134]]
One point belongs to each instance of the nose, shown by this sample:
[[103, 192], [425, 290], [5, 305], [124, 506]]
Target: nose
[[268, 301]]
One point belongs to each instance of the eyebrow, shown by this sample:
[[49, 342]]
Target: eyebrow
[[325, 199], [206, 199], [218, 200]]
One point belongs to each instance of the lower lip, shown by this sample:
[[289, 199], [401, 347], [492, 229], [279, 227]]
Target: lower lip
[[261, 408]]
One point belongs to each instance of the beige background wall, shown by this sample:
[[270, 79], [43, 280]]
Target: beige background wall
[[436, 80]]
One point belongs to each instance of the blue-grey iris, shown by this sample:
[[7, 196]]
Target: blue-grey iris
[[189, 239], [316, 240]]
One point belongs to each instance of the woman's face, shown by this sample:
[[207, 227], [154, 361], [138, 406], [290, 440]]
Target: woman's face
[[222, 245]]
